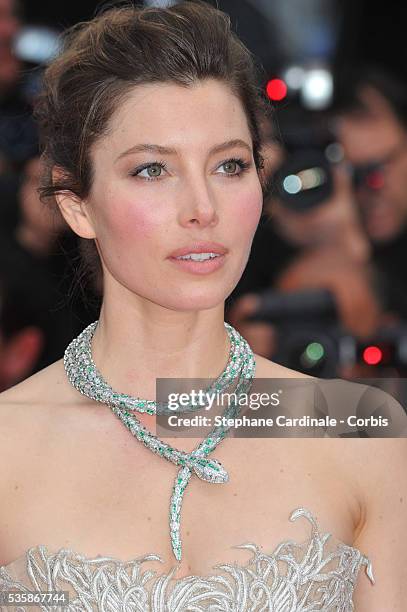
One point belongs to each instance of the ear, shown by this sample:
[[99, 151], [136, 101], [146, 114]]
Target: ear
[[21, 353], [74, 210]]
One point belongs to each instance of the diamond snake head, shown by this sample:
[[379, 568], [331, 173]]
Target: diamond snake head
[[210, 470]]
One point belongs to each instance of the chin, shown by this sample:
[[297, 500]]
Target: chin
[[190, 298], [196, 302]]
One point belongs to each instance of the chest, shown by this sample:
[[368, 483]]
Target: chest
[[107, 494]]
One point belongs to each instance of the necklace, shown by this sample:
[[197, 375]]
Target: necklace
[[84, 376]]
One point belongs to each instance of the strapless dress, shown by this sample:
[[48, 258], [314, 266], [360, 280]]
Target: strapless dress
[[318, 574]]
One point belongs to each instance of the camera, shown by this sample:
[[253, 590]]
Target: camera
[[311, 339]]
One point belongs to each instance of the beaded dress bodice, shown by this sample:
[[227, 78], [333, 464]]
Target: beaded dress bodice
[[316, 575]]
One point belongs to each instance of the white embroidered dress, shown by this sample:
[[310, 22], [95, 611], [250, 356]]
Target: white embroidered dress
[[316, 575]]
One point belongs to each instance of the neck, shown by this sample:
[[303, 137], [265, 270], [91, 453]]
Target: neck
[[132, 349]]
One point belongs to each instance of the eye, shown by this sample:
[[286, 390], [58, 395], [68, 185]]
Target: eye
[[152, 171], [234, 167]]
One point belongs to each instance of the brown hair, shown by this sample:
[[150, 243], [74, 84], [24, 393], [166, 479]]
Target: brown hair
[[124, 46]]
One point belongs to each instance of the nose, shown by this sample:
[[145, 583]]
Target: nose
[[199, 204]]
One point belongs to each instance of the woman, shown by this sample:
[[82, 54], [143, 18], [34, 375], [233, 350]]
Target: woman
[[149, 119]]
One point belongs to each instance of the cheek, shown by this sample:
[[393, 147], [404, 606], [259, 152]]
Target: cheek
[[131, 224], [246, 210]]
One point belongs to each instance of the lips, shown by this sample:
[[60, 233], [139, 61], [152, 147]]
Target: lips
[[199, 247]]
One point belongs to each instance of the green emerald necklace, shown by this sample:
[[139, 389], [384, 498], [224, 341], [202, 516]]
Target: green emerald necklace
[[85, 377]]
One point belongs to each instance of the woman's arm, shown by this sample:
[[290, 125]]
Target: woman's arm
[[383, 537]]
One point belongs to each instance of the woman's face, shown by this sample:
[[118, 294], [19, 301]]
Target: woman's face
[[176, 169]]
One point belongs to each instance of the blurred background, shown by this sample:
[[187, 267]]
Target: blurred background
[[325, 288]]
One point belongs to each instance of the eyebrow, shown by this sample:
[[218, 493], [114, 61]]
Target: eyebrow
[[154, 148]]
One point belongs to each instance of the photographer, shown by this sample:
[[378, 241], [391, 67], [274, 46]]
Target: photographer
[[21, 337], [34, 262], [372, 127], [310, 240]]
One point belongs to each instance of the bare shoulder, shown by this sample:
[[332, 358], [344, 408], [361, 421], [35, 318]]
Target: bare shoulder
[[36, 390], [367, 458], [265, 368], [29, 407], [24, 421], [376, 466], [374, 461]]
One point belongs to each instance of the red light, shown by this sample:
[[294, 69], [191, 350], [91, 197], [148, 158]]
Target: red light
[[276, 89], [372, 355], [375, 180]]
